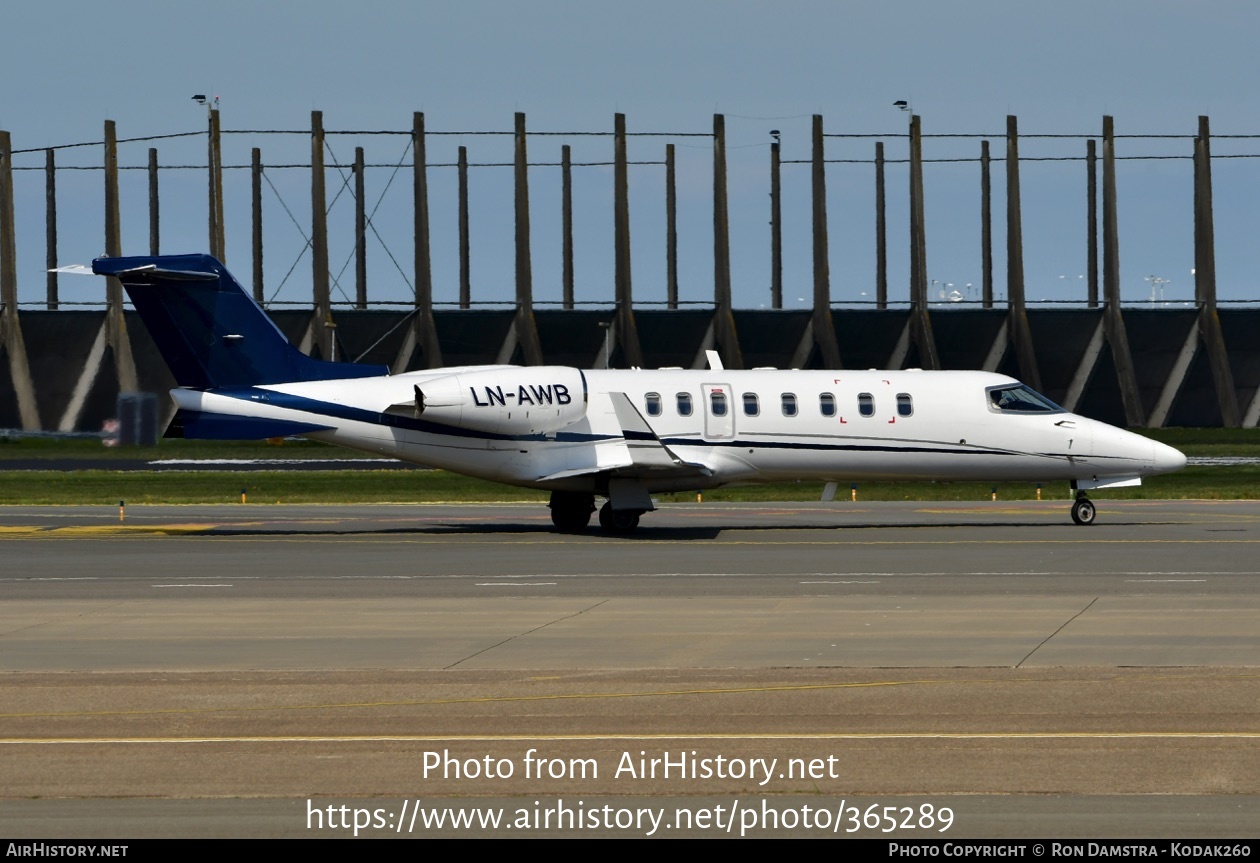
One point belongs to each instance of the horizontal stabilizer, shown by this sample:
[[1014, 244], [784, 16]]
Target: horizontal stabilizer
[[199, 425], [154, 273]]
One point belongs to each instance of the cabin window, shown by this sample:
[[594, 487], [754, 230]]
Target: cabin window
[[751, 407], [905, 405], [684, 404], [827, 404], [717, 403], [789, 404], [652, 401], [866, 404], [1020, 398]]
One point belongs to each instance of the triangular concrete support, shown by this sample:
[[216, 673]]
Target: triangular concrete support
[[10, 326]]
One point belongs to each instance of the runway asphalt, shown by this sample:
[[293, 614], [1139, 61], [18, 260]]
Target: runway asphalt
[[1040, 678]]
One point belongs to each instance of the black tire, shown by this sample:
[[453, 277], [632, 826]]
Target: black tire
[[618, 520], [571, 511], [1084, 511]]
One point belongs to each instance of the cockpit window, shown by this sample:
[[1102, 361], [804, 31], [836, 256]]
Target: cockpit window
[[1020, 398]]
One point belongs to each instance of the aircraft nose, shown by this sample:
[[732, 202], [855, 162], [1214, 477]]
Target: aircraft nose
[[1166, 459]]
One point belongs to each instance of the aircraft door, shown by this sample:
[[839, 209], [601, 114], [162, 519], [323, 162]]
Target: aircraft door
[[719, 411]]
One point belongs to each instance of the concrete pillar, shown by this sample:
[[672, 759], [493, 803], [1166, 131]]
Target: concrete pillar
[[10, 326], [626, 332], [920, 320], [1117, 335], [50, 223], [821, 332], [566, 226], [1017, 315], [321, 322], [256, 233], [524, 328], [115, 321]]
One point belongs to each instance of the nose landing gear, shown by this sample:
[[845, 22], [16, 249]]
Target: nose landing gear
[[1083, 509]]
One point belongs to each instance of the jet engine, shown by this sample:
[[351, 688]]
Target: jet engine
[[513, 401]]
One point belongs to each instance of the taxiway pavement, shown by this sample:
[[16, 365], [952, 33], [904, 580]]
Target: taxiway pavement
[[940, 652]]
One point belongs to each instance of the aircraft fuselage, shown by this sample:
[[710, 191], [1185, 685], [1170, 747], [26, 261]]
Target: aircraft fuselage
[[557, 427]]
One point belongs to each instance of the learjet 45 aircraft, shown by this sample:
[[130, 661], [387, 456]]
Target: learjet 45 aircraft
[[619, 434]]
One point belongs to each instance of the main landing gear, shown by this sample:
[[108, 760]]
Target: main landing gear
[[571, 510], [571, 513], [1083, 509], [618, 520]]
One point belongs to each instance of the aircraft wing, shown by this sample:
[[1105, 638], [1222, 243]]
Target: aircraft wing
[[645, 448], [641, 454]]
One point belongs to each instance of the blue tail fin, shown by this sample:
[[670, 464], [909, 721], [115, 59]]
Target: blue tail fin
[[210, 332]]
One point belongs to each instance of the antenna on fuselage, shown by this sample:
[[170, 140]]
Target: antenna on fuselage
[[715, 361]]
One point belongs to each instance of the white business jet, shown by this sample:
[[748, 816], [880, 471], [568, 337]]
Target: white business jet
[[618, 434]]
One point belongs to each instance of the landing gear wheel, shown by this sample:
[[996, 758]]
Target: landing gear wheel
[[618, 520], [1083, 511], [571, 511]]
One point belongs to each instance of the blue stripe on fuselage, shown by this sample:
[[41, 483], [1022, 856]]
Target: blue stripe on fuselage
[[305, 404], [258, 395]]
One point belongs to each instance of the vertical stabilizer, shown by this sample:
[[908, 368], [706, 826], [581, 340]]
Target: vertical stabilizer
[[210, 331]]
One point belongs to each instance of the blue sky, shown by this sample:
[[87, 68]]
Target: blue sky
[[669, 66]]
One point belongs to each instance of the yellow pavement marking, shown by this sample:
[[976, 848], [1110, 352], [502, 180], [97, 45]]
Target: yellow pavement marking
[[202, 531], [589, 696], [464, 540], [104, 530]]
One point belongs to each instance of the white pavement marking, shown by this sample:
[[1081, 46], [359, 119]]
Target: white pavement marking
[[1165, 580], [515, 584], [192, 585]]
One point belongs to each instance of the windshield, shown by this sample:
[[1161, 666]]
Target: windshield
[[1020, 398]]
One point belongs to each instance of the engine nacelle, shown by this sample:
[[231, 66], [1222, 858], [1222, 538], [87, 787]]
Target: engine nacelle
[[526, 400]]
